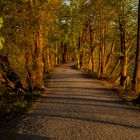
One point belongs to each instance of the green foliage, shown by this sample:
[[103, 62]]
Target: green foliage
[[1, 42], [1, 22], [120, 54], [1, 38]]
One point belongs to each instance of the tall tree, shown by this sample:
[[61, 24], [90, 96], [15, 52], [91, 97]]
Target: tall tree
[[136, 78]]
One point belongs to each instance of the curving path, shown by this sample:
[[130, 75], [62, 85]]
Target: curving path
[[79, 108]]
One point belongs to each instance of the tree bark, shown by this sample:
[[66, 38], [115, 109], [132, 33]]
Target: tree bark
[[124, 57], [39, 49], [108, 61], [9, 77], [102, 42], [136, 78], [30, 66], [91, 44]]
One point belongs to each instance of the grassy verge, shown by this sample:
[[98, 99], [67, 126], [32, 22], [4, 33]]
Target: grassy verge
[[127, 93], [13, 104]]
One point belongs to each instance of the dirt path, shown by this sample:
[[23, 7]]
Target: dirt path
[[78, 108]]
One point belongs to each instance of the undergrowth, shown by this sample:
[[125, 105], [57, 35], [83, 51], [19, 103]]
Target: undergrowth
[[12, 103], [126, 93]]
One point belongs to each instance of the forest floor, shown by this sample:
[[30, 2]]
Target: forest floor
[[76, 107]]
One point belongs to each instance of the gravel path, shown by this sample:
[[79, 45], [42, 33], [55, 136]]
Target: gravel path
[[78, 108]]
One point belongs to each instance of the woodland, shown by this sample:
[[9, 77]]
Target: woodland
[[101, 36]]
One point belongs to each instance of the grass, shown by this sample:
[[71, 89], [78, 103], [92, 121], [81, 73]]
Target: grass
[[127, 93]]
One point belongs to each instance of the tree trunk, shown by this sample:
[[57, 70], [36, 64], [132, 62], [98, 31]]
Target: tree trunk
[[124, 58], [91, 45], [80, 53], [30, 67], [39, 64], [9, 77], [103, 34], [115, 68], [124, 52], [40, 44], [64, 46], [56, 54], [136, 78], [108, 61], [102, 42]]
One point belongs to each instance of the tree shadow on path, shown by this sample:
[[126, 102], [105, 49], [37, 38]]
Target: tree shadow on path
[[14, 136]]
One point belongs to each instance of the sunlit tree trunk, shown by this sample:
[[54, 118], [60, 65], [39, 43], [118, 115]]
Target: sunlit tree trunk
[[79, 53], [38, 39], [39, 63], [136, 78], [56, 53]]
